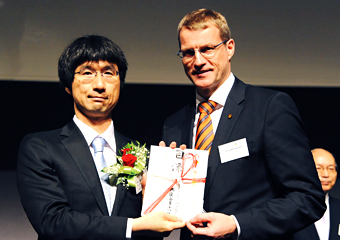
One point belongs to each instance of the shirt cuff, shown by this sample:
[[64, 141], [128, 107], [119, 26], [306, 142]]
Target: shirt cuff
[[237, 225], [129, 228]]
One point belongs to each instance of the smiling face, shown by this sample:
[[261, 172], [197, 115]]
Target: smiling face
[[326, 167], [206, 74], [95, 100]]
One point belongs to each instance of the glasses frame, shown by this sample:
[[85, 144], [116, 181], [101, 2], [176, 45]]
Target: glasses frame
[[199, 50], [89, 80], [333, 169]]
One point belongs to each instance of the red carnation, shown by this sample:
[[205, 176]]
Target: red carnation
[[129, 160]]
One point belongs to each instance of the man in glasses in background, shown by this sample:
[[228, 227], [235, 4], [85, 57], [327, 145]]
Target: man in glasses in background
[[261, 180], [62, 188], [328, 227]]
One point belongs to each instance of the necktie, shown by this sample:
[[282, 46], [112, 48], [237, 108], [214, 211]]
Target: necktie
[[205, 133], [98, 146]]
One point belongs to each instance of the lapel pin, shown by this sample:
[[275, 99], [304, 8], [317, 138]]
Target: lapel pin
[[230, 115]]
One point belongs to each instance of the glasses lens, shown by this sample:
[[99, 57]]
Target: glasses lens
[[110, 74], [87, 74]]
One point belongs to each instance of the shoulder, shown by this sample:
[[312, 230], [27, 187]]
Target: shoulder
[[182, 115], [42, 136], [259, 98], [47, 137]]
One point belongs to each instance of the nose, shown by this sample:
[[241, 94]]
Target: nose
[[98, 81], [199, 60], [324, 173]]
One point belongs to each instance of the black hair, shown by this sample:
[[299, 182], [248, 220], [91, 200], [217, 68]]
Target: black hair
[[90, 48]]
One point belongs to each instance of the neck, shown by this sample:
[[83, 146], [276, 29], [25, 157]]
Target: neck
[[100, 125]]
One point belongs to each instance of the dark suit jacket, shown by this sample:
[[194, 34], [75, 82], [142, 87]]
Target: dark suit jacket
[[273, 192], [60, 190], [310, 233]]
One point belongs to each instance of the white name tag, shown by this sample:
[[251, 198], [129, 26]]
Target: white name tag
[[233, 150], [138, 180]]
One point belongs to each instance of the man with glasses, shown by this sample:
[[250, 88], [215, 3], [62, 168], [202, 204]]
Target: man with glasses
[[261, 180], [328, 227], [62, 188]]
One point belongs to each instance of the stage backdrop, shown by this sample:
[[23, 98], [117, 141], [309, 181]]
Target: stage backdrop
[[278, 43]]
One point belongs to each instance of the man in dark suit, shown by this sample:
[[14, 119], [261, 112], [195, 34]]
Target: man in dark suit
[[261, 180], [59, 178], [328, 227]]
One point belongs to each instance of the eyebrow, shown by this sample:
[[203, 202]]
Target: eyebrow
[[89, 66], [203, 46]]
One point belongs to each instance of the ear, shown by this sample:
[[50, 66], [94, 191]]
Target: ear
[[231, 48], [68, 91]]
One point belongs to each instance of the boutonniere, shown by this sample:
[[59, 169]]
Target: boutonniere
[[129, 166]]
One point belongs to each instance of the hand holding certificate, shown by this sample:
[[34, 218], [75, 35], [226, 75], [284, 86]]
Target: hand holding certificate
[[176, 180]]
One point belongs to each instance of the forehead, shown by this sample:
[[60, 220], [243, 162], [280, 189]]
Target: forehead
[[197, 38], [324, 161], [97, 65]]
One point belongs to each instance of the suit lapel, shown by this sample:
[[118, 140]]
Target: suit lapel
[[75, 144], [313, 234], [121, 141], [230, 114], [188, 124], [334, 212]]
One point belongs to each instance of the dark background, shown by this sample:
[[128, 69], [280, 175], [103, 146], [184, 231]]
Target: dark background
[[140, 113]]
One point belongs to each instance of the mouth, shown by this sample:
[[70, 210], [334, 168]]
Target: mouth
[[200, 73], [98, 98], [325, 182]]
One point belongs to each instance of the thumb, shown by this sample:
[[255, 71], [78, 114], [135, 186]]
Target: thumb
[[173, 218]]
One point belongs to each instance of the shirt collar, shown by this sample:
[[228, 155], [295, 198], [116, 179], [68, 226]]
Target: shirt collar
[[221, 93], [91, 134]]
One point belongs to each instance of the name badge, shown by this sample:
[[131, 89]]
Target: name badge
[[233, 150]]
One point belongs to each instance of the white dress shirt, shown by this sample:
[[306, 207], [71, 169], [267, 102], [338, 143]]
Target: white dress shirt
[[109, 153], [322, 225], [219, 96]]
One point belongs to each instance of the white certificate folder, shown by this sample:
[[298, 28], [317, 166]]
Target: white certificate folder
[[175, 181]]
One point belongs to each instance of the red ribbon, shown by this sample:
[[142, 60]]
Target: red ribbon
[[175, 181]]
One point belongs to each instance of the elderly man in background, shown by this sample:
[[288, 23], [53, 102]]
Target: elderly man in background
[[328, 227]]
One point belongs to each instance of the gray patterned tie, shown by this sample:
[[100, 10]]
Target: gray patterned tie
[[98, 146]]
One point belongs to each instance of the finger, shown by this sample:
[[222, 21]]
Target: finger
[[199, 218], [175, 225], [191, 227], [162, 144], [173, 145], [173, 218], [183, 146], [144, 178]]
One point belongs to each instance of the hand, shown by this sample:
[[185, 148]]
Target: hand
[[172, 145], [157, 221], [218, 225], [143, 182]]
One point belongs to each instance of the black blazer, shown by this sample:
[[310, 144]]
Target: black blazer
[[310, 233], [61, 192], [273, 192]]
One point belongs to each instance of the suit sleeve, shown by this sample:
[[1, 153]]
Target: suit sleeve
[[298, 199], [47, 205]]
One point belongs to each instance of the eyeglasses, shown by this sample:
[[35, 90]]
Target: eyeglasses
[[330, 169], [87, 75], [206, 52]]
